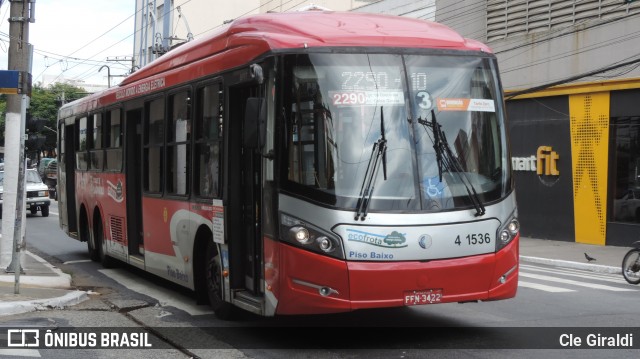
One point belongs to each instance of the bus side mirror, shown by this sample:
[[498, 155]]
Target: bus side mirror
[[256, 74], [255, 121]]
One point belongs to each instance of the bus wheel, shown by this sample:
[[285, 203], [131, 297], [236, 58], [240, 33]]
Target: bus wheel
[[222, 309], [86, 236], [98, 235]]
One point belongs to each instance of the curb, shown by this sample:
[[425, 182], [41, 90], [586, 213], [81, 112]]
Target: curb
[[69, 299], [575, 265]]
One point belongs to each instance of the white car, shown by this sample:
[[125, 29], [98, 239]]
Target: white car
[[37, 193]]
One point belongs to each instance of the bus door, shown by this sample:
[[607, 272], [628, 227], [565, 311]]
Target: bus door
[[244, 197], [133, 170], [67, 181]]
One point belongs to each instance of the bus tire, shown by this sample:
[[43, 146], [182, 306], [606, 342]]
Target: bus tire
[[93, 252], [98, 235], [85, 236], [213, 278]]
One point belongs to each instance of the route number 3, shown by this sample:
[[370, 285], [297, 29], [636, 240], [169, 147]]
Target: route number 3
[[424, 100]]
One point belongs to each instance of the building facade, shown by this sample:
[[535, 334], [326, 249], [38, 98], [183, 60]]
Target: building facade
[[572, 76]]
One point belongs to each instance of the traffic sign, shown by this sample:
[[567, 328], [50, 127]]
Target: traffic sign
[[9, 82], [15, 82]]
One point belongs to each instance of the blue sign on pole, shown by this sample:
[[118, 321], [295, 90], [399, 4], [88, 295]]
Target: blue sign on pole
[[9, 82]]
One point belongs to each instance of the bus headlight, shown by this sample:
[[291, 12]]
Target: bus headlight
[[505, 237], [307, 236], [325, 244], [300, 234], [514, 226], [507, 232]]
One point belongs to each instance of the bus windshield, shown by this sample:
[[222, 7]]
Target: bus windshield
[[439, 117]]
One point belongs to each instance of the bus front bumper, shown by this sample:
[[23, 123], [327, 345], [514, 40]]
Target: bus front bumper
[[314, 284]]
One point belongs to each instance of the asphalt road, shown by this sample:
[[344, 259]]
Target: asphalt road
[[554, 306]]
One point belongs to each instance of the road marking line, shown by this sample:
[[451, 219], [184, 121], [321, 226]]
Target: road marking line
[[574, 282], [34, 353], [165, 297], [546, 288], [78, 261], [580, 274]]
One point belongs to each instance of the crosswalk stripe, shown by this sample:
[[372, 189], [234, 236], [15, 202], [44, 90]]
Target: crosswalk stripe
[[574, 282], [573, 270], [546, 288], [579, 274]]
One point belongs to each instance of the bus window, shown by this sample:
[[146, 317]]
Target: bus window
[[96, 155], [97, 131], [113, 134], [208, 134], [153, 146], [81, 144], [178, 137]]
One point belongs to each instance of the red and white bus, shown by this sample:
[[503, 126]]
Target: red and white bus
[[300, 163]]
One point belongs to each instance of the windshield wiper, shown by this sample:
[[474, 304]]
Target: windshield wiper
[[378, 152], [446, 160]]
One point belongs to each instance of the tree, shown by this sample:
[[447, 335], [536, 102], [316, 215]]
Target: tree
[[45, 103]]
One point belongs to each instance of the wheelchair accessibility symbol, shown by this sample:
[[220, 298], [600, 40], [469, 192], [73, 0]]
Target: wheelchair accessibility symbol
[[432, 187]]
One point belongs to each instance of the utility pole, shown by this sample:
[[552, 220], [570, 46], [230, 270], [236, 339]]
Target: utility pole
[[13, 219]]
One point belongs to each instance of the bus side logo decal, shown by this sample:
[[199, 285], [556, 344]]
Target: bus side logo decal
[[115, 191]]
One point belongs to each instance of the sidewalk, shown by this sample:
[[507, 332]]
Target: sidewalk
[[608, 259], [44, 286]]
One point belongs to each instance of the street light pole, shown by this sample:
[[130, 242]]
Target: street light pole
[[108, 74]]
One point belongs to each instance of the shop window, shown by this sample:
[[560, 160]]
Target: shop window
[[625, 169]]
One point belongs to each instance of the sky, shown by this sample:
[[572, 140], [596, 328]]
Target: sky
[[72, 39]]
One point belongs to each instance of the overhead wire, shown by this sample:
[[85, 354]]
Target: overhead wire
[[459, 17]]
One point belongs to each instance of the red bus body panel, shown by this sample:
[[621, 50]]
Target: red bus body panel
[[362, 285], [100, 191]]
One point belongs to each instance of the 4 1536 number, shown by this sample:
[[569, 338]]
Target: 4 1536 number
[[473, 239]]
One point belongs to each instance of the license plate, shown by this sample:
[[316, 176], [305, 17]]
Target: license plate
[[417, 297]]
